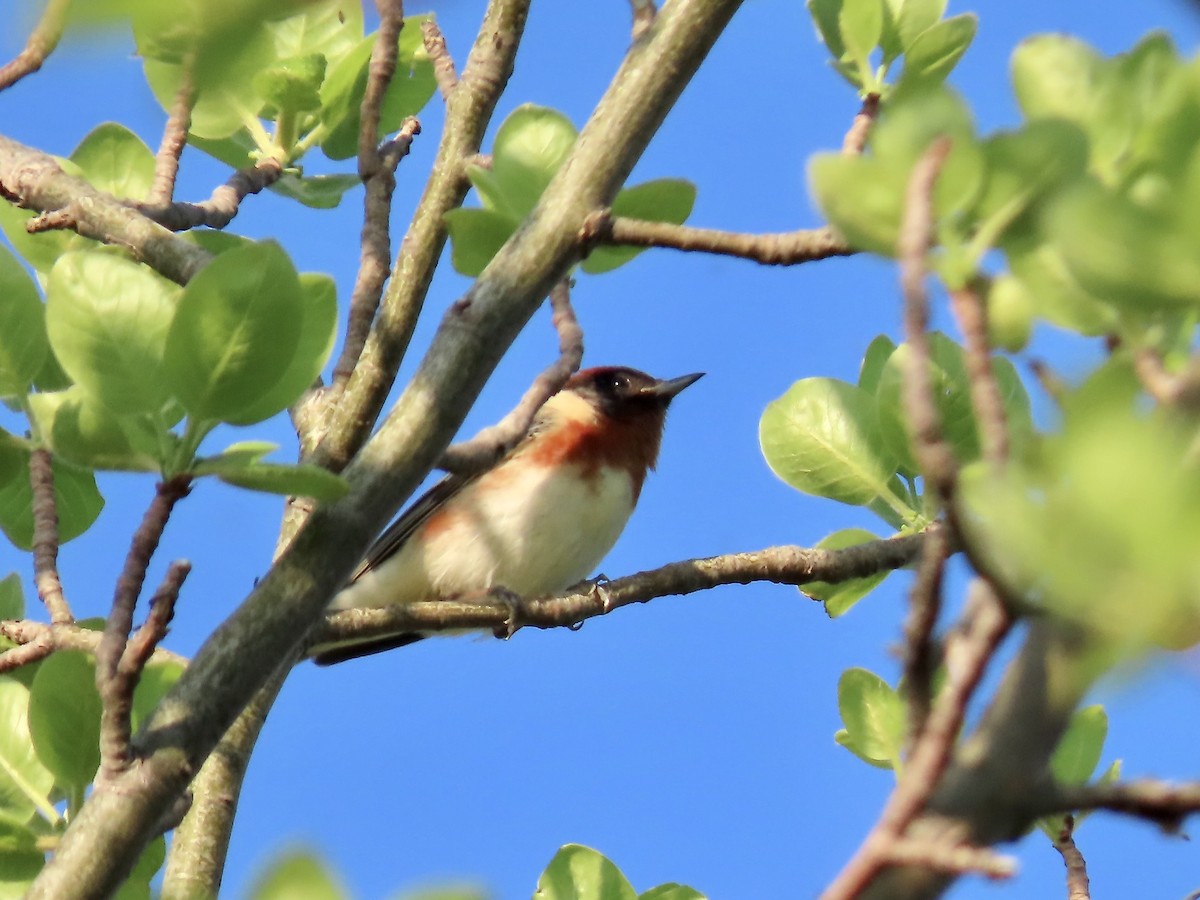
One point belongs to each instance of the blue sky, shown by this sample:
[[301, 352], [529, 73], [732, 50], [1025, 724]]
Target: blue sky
[[690, 739]]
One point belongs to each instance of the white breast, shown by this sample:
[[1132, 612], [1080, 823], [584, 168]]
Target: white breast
[[555, 538]]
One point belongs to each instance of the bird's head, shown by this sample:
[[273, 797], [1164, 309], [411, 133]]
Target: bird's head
[[618, 392]]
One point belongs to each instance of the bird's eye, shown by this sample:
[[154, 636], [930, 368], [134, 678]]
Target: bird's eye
[[616, 383]]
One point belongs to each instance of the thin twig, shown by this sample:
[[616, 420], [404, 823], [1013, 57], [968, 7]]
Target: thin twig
[[42, 41], [174, 139], [1160, 802], [644, 12], [379, 75], [855, 140], [1078, 886], [781, 565], [38, 647], [45, 538], [375, 255], [48, 638], [443, 62], [219, 209], [787, 248], [953, 859], [934, 456], [115, 689], [969, 309], [924, 605], [494, 441]]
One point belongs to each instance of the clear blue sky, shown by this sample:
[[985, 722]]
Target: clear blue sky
[[690, 739]]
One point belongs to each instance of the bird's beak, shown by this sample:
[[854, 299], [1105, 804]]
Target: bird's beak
[[668, 388]]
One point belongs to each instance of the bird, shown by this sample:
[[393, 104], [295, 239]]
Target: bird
[[537, 522]]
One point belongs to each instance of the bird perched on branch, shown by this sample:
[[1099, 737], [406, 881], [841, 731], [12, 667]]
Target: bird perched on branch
[[538, 521]]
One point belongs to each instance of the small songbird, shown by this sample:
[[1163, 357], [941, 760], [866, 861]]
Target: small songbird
[[538, 521]]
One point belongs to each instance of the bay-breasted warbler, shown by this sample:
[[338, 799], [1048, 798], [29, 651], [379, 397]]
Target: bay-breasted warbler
[[538, 521]]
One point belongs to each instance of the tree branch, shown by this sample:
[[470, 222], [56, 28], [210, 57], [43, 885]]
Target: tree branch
[[1078, 886], [219, 209], [781, 565], [107, 834], [443, 62], [494, 441], [34, 180], [379, 75], [924, 606], [986, 399], [49, 638], [45, 538], [1160, 802], [174, 139], [787, 248], [42, 41]]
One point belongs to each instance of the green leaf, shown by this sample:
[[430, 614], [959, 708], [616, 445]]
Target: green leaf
[[14, 838], [316, 191], [863, 199], [826, 15], [77, 500], [83, 431], [157, 678], [935, 52], [300, 480], [1078, 751], [236, 150], [18, 869], [1059, 297], [12, 597], [23, 345], [329, 27], [822, 437], [234, 457], [114, 159], [840, 597], [663, 200], [861, 25], [235, 334], [476, 235], [108, 318], [137, 885], [1123, 252], [317, 316], [530, 147], [40, 250], [25, 783], [291, 84], [917, 16], [1055, 76], [297, 873], [64, 718], [874, 716], [878, 352], [410, 89], [672, 891], [581, 873]]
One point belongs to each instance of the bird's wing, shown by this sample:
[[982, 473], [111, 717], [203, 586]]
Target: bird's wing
[[410, 520]]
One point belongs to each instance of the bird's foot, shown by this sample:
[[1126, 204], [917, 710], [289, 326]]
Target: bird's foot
[[598, 591], [514, 602]]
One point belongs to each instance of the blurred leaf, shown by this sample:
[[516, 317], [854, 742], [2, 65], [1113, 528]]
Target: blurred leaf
[[1010, 310], [316, 191], [295, 874], [17, 871], [1055, 76], [840, 597], [672, 892], [157, 678], [825, 15], [878, 352], [663, 200], [108, 318], [863, 199], [77, 500], [23, 344], [581, 873], [411, 87], [25, 782], [235, 333], [234, 457], [292, 83], [874, 716], [116, 160], [12, 597], [83, 431], [860, 23], [476, 235], [64, 718], [329, 27], [916, 16], [822, 437], [14, 838], [137, 885], [300, 480], [1058, 297], [316, 313], [1078, 751]]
